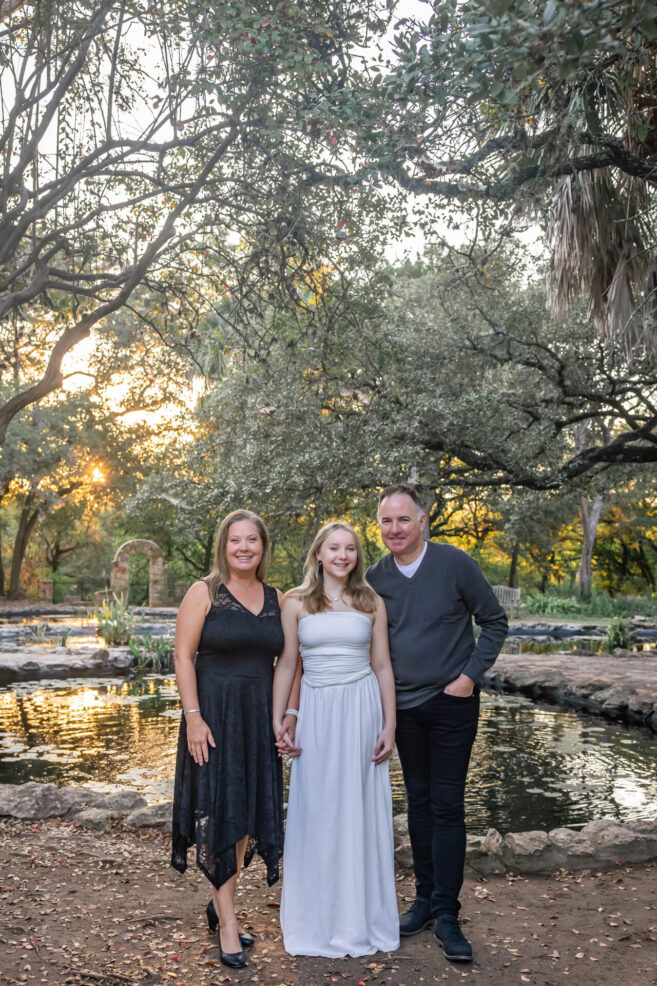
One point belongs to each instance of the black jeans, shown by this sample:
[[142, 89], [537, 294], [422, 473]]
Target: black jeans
[[434, 741]]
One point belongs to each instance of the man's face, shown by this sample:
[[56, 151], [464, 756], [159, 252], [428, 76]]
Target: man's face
[[402, 527]]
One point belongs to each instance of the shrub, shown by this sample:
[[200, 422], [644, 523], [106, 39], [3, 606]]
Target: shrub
[[559, 602]]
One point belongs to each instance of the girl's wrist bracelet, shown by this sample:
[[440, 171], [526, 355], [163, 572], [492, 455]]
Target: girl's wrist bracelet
[[189, 712], [292, 712]]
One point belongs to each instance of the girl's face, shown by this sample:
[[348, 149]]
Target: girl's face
[[338, 554]]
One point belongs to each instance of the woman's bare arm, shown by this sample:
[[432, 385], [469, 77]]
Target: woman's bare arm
[[286, 666], [189, 624], [380, 661]]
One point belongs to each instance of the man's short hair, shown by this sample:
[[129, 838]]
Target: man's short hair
[[401, 488]]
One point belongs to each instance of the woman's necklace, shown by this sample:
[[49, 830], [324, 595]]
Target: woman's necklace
[[245, 588]]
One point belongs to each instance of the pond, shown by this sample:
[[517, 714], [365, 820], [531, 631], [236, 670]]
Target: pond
[[532, 767], [79, 631]]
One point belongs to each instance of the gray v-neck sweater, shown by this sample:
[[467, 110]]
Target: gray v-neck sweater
[[430, 621]]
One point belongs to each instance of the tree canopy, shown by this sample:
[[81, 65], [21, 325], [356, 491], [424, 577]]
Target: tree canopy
[[143, 143]]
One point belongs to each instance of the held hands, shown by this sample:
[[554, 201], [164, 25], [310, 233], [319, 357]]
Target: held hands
[[198, 738], [461, 687], [285, 734], [384, 744]]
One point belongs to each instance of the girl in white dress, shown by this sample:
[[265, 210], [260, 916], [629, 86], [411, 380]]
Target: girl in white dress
[[338, 894]]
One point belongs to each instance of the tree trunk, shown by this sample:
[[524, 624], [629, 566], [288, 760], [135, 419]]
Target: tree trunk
[[513, 568], [589, 516], [26, 524]]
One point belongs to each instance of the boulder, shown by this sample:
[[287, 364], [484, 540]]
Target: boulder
[[8, 798], [33, 801], [648, 826], [477, 860], [121, 802], [493, 845], [403, 852], [152, 816], [94, 818], [400, 828], [617, 843], [120, 662], [404, 856], [577, 850], [27, 670], [531, 852], [74, 799]]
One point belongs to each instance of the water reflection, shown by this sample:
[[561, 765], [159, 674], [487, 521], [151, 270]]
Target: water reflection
[[532, 767]]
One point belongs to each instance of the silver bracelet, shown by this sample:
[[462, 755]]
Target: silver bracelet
[[292, 712], [189, 712]]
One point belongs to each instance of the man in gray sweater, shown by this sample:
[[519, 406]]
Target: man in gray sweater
[[432, 591]]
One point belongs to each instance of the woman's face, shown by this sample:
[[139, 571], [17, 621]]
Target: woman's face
[[338, 554], [244, 548]]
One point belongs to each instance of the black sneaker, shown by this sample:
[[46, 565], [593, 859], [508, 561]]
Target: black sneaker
[[417, 917], [447, 931]]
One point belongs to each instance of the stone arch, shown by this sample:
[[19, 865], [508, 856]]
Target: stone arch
[[157, 570]]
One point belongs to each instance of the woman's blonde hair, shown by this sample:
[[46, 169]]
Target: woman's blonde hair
[[220, 573], [311, 591]]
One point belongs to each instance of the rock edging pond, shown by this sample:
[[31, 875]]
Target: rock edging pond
[[33, 664], [82, 805], [598, 845], [620, 686]]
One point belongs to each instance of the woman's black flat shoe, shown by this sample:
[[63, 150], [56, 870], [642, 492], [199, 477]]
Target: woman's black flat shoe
[[246, 941]]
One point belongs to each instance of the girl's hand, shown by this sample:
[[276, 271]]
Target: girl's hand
[[198, 738], [285, 738], [384, 745]]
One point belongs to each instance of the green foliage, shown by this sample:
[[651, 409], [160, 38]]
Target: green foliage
[[545, 604], [618, 635], [154, 653], [561, 602], [206, 121], [116, 623]]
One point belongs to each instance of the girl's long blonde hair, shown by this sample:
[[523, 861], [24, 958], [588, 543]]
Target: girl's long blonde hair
[[220, 573], [311, 591]]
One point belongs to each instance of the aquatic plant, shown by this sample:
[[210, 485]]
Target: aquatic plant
[[116, 623], [619, 634], [38, 634], [151, 652]]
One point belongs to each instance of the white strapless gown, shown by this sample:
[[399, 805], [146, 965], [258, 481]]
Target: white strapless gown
[[338, 894]]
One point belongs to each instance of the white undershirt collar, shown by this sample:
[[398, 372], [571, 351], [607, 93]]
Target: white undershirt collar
[[410, 570]]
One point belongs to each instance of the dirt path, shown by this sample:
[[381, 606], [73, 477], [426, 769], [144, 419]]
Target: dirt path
[[105, 909]]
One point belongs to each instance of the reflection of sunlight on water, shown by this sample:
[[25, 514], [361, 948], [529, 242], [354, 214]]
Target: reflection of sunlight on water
[[532, 767], [82, 701]]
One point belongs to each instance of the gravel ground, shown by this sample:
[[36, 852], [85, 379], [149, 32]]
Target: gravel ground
[[104, 909]]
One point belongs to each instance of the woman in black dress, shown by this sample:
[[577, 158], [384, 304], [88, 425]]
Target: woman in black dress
[[228, 797]]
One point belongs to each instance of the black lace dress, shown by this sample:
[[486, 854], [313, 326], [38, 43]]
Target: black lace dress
[[240, 790]]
